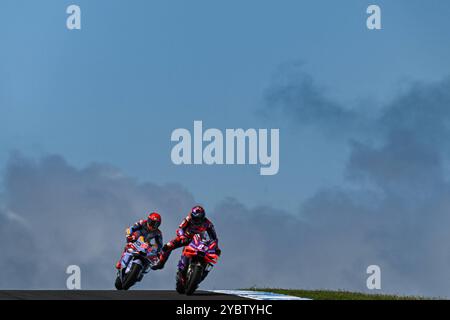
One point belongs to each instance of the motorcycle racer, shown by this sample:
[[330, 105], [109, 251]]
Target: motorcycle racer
[[195, 223], [149, 229]]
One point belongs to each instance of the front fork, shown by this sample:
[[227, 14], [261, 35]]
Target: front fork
[[127, 263], [182, 264]]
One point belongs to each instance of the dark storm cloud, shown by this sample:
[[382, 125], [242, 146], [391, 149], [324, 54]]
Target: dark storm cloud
[[295, 94], [397, 212], [422, 111], [54, 215]]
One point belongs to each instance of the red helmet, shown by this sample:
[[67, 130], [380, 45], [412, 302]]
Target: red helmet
[[198, 214], [153, 220]]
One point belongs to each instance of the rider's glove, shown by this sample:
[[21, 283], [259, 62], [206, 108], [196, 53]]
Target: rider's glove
[[131, 238], [218, 251], [180, 233]]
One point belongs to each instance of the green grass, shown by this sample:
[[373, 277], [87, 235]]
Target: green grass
[[336, 295]]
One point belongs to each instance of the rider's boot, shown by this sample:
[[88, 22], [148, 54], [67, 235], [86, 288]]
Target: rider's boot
[[163, 256]]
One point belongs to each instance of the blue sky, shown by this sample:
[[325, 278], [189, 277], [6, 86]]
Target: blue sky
[[114, 91]]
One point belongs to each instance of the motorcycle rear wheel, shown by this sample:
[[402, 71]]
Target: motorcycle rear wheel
[[132, 276]]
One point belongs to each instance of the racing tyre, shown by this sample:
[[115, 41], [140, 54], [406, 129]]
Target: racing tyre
[[180, 283], [193, 278], [132, 276], [118, 283]]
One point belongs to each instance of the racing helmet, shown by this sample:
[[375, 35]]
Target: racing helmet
[[197, 214], [154, 220]]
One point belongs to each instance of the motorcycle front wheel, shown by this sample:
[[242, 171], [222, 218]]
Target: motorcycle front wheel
[[132, 276], [193, 278], [118, 283], [179, 287]]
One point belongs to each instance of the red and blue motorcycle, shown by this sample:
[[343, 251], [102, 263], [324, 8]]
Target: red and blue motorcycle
[[137, 260]]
